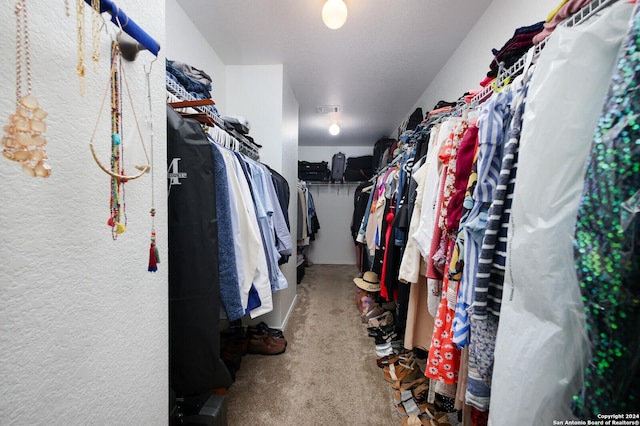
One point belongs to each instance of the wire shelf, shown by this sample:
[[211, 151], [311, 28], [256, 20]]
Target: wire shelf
[[577, 18], [176, 93]]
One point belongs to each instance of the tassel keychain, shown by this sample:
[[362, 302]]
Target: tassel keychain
[[154, 255]]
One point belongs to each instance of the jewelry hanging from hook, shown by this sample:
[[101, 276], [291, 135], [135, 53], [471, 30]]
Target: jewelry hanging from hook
[[81, 67], [24, 141], [117, 218], [154, 255], [96, 25]]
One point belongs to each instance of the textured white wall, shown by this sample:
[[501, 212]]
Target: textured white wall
[[186, 44], [255, 92], [262, 94], [84, 325], [470, 62], [333, 243], [334, 203], [289, 169]]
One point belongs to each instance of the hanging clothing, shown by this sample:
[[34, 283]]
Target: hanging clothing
[[443, 361], [491, 263], [461, 324], [228, 270], [424, 234], [419, 326], [266, 205], [491, 129], [194, 293], [255, 271], [409, 266], [540, 337], [607, 251], [303, 212], [283, 193]]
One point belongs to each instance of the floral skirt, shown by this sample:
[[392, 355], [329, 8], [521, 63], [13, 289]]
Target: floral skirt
[[443, 362]]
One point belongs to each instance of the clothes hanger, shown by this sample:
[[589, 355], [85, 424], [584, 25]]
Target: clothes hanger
[[503, 78], [518, 82]]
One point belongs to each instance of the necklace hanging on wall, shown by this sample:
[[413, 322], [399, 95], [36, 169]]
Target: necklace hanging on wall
[[24, 141], [117, 215], [96, 21], [154, 256], [81, 67]]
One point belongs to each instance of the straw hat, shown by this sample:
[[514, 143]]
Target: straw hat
[[368, 282]]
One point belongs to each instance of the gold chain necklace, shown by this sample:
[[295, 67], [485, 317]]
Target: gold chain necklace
[[24, 141]]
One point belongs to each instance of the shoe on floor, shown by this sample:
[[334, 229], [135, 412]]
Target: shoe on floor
[[263, 328], [384, 350], [265, 345]]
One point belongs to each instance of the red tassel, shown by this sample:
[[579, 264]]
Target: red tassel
[[153, 267]]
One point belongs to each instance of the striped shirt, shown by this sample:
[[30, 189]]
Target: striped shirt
[[491, 262], [491, 124]]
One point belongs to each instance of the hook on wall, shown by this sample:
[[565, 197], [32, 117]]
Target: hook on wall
[[129, 48]]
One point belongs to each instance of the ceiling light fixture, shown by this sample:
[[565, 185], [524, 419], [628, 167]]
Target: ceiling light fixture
[[334, 13], [334, 129]]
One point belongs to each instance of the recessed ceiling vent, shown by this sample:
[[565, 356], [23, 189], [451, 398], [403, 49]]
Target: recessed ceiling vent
[[326, 109]]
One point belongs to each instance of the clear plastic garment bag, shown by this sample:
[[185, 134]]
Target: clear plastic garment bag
[[541, 344]]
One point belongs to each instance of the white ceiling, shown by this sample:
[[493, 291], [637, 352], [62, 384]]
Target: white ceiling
[[375, 67]]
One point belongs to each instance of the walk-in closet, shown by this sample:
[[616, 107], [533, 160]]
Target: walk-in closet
[[329, 212]]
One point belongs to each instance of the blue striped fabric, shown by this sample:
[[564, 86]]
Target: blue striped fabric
[[490, 277], [491, 262], [491, 124]]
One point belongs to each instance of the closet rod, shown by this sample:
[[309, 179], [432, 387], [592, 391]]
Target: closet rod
[[121, 20], [580, 16]]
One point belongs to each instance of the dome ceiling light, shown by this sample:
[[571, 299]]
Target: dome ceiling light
[[334, 14]]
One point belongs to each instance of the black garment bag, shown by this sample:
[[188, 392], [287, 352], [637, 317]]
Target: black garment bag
[[194, 297]]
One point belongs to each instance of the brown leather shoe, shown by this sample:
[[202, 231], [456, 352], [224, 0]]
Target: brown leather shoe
[[259, 336], [265, 345]]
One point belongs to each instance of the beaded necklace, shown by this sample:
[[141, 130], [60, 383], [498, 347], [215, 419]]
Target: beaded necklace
[[117, 217], [24, 141], [154, 255]]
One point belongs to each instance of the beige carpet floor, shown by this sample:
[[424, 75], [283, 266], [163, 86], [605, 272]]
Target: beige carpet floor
[[327, 376]]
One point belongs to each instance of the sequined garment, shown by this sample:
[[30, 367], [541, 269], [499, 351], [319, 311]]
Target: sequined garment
[[607, 245]]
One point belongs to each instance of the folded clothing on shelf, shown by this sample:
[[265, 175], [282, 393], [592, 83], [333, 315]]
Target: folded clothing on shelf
[[237, 123]]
